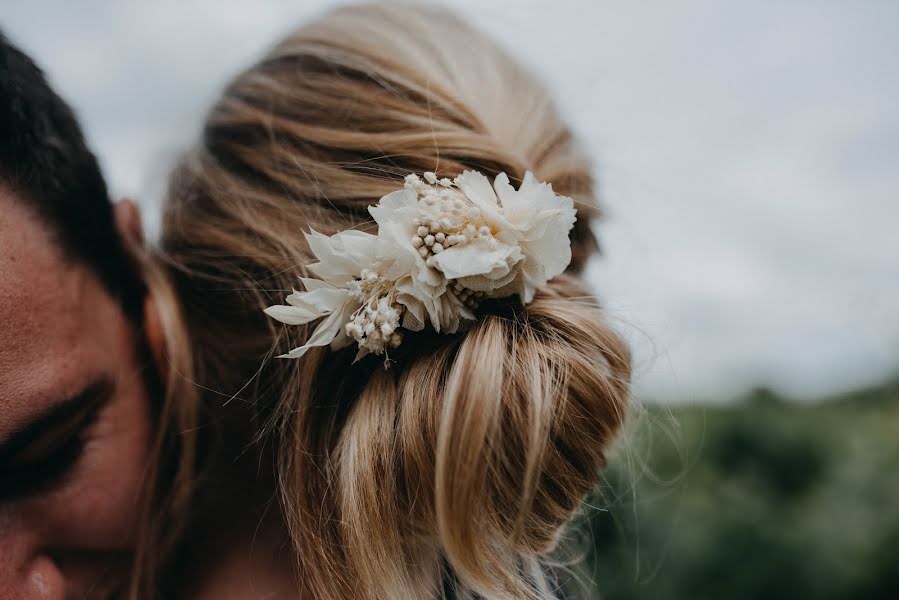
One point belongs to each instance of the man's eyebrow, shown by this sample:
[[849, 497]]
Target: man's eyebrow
[[85, 403]]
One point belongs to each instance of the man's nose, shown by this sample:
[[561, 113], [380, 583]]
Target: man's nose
[[26, 573]]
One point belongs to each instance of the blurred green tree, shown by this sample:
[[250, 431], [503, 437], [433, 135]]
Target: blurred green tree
[[765, 498]]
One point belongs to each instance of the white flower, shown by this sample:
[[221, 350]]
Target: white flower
[[442, 247], [533, 218]]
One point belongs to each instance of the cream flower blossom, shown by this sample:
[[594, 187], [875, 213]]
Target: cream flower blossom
[[442, 246]]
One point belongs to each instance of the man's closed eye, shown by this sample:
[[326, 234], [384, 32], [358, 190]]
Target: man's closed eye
[[40, 455]]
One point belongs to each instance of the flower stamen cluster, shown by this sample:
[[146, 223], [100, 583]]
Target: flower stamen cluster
[[469, 298], [375, 326]]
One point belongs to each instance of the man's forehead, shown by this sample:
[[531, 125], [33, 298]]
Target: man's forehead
[[43, 301]]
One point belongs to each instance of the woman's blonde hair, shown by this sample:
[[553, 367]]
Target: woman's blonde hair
[[453, 473]]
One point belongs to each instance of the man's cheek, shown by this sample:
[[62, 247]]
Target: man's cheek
[[98, 505]]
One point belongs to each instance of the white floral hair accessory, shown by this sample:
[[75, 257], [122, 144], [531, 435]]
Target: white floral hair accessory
[[442, 246]]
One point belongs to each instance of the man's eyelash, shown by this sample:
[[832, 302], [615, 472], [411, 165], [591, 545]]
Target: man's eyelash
[[47, 473]]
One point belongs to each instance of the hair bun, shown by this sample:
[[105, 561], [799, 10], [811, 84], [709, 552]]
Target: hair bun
[[482, 450]]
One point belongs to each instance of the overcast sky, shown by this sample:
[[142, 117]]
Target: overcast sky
[[748, 155]]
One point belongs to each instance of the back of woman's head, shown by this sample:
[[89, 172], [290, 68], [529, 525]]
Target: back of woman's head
[[458, 467]]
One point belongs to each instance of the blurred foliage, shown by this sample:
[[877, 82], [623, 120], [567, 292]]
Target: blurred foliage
[[765, 498]]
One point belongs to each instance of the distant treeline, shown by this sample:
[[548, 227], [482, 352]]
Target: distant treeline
[[763, 499]]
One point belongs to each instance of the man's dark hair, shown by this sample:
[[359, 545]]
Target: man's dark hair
[[45, 161]]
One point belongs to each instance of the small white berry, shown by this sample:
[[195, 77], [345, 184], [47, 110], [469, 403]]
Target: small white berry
[[429, 240], [417, 241], [423, 252], [437, 248], [484, 231], [440, 237], [421, 231]]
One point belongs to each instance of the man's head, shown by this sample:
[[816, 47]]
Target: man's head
[[74, 406], [45, 162]]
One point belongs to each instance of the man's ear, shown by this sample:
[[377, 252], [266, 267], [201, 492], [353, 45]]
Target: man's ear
[[128, 224], [127, 220], [155, 335]]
